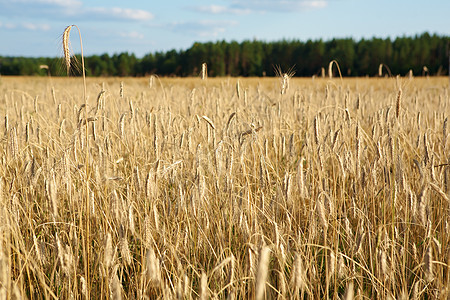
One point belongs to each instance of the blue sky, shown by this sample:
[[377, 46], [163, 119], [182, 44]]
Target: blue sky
[[34, 27]]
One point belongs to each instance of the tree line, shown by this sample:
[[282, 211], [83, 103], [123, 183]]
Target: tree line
[[423, 54]]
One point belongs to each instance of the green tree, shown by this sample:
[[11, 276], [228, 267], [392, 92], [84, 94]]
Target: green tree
[[256, 58]]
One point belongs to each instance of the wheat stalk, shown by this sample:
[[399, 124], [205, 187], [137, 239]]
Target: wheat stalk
[[330, 69], [67, 58], [349, 294], [204, 294], [261, 275]]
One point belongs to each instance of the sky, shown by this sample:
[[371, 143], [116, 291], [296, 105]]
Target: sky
[[35, 27]]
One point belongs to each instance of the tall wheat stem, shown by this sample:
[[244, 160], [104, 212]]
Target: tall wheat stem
[[67, 57]]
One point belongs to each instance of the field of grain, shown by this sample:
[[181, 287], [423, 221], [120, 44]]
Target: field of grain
[[224, 188]]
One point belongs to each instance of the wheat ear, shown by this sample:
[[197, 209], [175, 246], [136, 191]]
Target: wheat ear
[[66, 47], [398, 103], [67, 54], [204, 71]]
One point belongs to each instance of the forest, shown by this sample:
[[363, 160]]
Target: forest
[[423, 54]]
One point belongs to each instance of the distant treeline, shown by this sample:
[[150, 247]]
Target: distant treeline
[[423, 54]]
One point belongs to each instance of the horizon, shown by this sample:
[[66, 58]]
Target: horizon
[[33, 28]]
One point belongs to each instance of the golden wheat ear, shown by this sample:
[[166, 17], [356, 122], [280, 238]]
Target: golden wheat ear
[[66, 47], [70, 60], [204, 71]]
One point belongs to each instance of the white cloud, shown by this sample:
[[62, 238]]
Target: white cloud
[[220, 9], [58, 3], [202, 28], [52, 2], [75, 9], [8, 25], [29, 26], [278, 5], [121, 13], [63, 3], [314, 4], [25, 25], [132, 35], [33, 26]]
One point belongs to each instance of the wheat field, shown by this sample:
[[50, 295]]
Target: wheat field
[[224, 188]]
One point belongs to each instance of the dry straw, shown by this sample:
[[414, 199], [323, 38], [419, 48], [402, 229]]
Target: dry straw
[[204, 294], [116, 288], [330, 69], [444, 132], [204, 72], [428, 264], [208, 120], [284, 77], [322, 214], [380, 70], [261, 275], [238, 90], [298, 273], [6, 124], [398, 103], [316, 130], [211, 207], [349, 292], [153, 268]]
